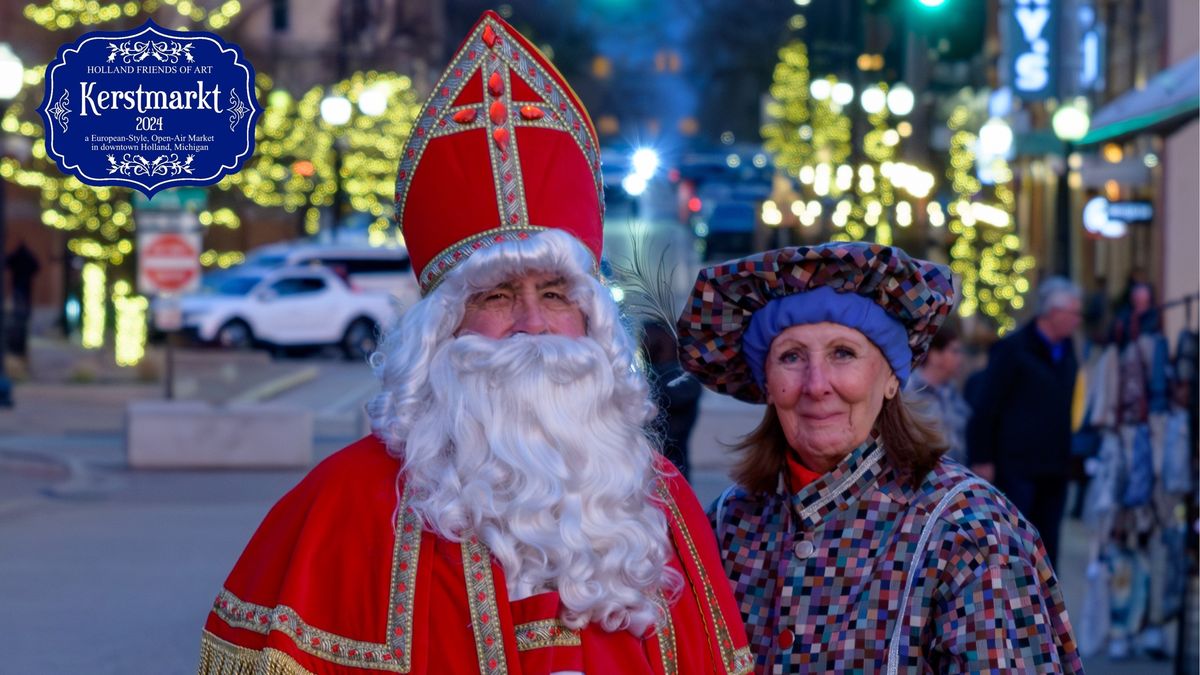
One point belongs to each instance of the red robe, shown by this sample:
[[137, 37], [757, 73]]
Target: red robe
[[340, 578]]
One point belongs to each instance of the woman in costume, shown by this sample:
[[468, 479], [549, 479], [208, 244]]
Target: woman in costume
[[851, 545]]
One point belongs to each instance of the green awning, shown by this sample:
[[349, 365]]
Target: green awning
[[1170, 99]]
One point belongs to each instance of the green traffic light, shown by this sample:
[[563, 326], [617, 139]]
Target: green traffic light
[[932, 4]]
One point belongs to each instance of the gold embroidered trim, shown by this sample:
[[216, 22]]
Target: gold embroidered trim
[[320, 643], [395, 655], [736, 661], [218, 657], [743, 662], [435, 271], [453, 80], [405, 555], [481, 596], [507, 181], [666, 639], [545, 633]]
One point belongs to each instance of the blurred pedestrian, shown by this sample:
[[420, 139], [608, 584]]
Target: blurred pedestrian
[[851, 544], [934, 386], [1019, 434], [22, 267], [509, 512], [676, 393]]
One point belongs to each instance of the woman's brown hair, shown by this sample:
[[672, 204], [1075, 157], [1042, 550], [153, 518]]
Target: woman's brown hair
[[912, 441]]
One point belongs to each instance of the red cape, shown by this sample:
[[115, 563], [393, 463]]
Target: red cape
[[341, 577]]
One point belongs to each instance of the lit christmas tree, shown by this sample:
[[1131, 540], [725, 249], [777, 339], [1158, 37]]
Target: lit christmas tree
[[810, 137]]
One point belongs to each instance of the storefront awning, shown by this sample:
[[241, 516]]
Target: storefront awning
[[1169, 99]]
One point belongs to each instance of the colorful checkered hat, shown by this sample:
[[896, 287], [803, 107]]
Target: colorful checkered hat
[[502, 150], [917, 293]]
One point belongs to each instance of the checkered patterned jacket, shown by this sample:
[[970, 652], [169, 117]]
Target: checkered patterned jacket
[[861, 572]]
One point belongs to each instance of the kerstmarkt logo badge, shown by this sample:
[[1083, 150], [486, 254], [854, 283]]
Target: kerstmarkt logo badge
[[149, 108]]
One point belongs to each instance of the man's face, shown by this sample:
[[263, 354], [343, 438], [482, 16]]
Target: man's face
[[534, 303], [1064, 318]]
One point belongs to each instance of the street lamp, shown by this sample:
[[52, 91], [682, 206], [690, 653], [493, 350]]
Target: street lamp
[[336, 111], [873, 100], [1070, 123], [900, 100], [12, 76], [996, 137]]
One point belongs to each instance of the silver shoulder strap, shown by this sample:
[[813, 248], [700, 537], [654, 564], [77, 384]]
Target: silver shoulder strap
[[893, 660]]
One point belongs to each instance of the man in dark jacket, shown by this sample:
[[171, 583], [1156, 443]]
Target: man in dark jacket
[[676, 393], [1019, 436]]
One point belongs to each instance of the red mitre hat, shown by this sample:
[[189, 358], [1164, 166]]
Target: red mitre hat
[[501, 150]]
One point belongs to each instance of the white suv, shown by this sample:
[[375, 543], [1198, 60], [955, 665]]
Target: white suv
[[374, 268], [286, 307]]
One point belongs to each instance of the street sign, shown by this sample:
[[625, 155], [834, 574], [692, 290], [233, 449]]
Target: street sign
[[168, 262], [166, 221], [168, 314], [174, 199]]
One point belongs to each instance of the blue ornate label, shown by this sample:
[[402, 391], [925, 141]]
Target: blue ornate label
[[149, 108]]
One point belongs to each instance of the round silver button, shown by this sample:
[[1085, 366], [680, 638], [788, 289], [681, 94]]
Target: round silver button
[[804, 549]]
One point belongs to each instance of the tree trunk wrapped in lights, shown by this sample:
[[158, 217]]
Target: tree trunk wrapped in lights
[[987, 252]]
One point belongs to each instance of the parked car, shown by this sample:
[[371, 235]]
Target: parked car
[[286, 307], [375, 268], [728, 230]]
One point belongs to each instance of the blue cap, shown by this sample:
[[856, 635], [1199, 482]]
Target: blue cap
[[821, 305]]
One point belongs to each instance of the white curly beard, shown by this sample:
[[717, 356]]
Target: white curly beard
[[534, 443]]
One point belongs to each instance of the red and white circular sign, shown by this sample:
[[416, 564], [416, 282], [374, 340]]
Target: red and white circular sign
[[169, 262]]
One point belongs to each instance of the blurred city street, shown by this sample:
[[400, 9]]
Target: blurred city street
[[127, 562], [177, 351]]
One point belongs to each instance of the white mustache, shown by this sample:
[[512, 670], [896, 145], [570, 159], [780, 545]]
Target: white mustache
[[560, 359]]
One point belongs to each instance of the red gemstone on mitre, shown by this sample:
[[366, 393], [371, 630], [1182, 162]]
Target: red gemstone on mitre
[[489, 640], [465, 116], [495, 84], [501, 138], [497, 112], [531, 112], [489, 36]]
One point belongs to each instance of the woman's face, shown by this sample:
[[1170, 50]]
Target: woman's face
[[827, 383]]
